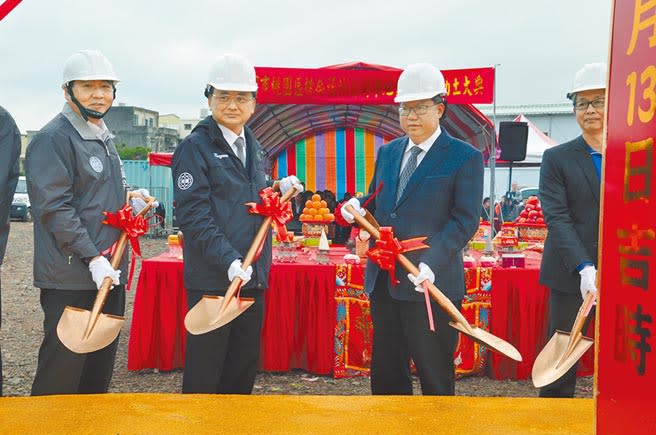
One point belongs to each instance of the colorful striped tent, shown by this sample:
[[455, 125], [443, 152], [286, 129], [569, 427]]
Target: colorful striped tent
[[340, 160]]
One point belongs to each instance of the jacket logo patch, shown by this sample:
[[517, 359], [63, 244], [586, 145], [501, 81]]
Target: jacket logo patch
[[220, 156], [185, 181], [96, 164]]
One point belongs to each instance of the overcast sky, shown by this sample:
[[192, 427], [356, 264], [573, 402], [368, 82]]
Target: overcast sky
[[163, 50]]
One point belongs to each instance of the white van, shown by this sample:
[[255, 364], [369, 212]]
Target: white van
[[20, 206]]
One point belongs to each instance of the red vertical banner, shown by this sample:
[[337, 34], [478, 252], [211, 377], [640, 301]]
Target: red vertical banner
[[626, 358]]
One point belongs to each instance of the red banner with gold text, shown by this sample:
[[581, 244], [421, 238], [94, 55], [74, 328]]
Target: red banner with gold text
[[627, 320], [355, 86]]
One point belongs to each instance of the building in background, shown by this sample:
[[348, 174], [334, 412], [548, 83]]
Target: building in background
[[138, 127], [555, 120], [182, 125]]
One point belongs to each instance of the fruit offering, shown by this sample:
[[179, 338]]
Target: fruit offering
[[316, 210], [532, 213]]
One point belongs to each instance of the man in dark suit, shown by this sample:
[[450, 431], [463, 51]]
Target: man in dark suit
[[216, 170], [440, 199], [570, 177]]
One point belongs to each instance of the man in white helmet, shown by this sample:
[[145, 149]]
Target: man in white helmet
[[217, 169], [74, 174], [432, 185], [570, 178]]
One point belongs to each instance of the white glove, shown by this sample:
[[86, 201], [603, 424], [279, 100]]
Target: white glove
[[235, 270], [289, 182], [588, 281], [348, 217], [100, 269], [363, 235], [138, 204], [425, 273]]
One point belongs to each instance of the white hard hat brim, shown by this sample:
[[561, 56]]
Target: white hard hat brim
[[236, 87], [95, 77], [414, 97]]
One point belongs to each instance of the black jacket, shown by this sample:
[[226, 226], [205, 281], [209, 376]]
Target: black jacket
[[211, 187], [569, 193], [72, 177]]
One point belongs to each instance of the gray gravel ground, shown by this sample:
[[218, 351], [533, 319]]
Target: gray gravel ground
[[22, 331]]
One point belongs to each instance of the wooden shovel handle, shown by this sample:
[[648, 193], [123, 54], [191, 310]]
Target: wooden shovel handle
[[259, 239], [106, 285], [369, 224]]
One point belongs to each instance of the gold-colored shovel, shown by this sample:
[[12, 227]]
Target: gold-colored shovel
[[564, 349], [84, 331], [213, 312], [492, 342]]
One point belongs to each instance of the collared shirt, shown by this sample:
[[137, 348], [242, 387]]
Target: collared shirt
[[231, 137], [101, 131], [596, 159], [425, 146]]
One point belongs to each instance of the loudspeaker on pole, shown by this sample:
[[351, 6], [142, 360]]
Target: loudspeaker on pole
[[513, 137]]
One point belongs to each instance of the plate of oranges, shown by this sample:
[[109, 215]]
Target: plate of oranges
[[316, 211]]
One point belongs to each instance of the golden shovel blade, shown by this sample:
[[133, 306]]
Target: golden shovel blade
[[548, 366], [209, 314], [73, 323], [490, 341]]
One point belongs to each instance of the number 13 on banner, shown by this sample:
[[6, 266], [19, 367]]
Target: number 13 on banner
[[648, 88]]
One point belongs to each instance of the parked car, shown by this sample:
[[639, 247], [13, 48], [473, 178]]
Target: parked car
[[525, 192], [20, 206]]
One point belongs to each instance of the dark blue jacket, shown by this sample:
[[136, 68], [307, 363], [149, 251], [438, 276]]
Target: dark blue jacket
[[441, 201], [211, 187]]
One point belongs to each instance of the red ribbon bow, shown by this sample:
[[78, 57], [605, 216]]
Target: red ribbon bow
[[279, 212], [134, 227], [389, 247]]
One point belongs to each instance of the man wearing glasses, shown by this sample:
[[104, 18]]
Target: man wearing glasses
[[217, 169], [570, 178], [431, 185]]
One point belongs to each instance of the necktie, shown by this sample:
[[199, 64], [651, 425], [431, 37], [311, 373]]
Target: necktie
[[239, 143], [407, 171]]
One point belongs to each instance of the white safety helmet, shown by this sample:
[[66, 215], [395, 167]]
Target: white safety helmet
[[88, 65], [591, 76], [233, 73], [419, 81]]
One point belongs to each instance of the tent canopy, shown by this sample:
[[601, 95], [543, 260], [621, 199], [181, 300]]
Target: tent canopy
[[278, 126]]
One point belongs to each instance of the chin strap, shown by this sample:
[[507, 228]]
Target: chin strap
[[87, 113]]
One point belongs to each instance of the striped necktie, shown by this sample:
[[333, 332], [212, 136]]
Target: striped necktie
[[407, 171]]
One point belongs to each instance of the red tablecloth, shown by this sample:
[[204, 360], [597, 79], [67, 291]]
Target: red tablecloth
[[157, 334], [299, 329], [299, 316], [520, 315], [299, 319]]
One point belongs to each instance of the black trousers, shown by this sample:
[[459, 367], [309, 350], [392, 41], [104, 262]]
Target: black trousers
[[563, 307], [224, 361], [60, 371], [401, 332]]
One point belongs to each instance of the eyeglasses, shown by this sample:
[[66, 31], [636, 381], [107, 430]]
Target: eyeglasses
[[240, 100], [597, 103], [419, 110]]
